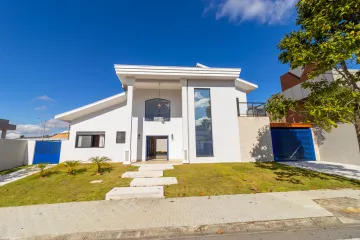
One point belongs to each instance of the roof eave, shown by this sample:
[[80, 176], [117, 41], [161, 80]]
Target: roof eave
[[92, 107]]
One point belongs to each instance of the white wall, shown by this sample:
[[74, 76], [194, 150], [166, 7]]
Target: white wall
[[161, 145], [255, 139], [30, 152], [110, 120], [225, 129], [151, 128], [13, 153], [340, 145]]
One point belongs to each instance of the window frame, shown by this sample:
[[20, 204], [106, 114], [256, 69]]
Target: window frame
[[152, 120], [116, 138], [78, 134], [212, 134]]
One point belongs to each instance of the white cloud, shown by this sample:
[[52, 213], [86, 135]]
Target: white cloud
[[203, 102], [40, 108], [263, 11], [198, 96], [45, 98], [199, 121], [52, 126], [11, 135]]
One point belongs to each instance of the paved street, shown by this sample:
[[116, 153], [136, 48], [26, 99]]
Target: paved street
[[351, 232], [98, 216]]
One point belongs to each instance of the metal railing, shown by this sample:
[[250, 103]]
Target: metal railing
[[250, 109]]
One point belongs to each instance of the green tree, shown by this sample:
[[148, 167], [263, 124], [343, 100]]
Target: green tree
[[328, 39]]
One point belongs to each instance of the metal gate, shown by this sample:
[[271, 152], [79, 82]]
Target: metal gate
[[292, 144], [47, 152]]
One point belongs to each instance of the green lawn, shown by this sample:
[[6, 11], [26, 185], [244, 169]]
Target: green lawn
[[237, 178], [59, 187]]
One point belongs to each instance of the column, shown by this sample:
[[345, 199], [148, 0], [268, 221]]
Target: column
[[129, 105], [185, 122], [3, 134]]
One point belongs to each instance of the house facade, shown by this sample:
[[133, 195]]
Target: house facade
[[191, 109]]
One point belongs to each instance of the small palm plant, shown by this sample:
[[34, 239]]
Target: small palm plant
[[71, 166], [100, 162], [41, 167]]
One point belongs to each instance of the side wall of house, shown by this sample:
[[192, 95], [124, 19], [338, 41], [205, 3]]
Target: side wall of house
[[339, 145], [109, 120], [141, 128], [225, 128], [255, 139]]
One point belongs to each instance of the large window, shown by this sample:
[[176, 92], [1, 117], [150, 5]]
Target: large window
[[157, 108], [203, 124], [90, 140]]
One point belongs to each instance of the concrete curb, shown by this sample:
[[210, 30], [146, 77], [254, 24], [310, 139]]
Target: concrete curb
[[263, 226]]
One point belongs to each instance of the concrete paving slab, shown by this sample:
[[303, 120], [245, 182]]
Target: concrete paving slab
[[97, 181], [146, 182], [143, 174], [155, 167], [344, 170], [135, 192]]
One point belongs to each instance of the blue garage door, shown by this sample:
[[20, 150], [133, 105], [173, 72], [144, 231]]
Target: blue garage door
[[292, 144], [47, 152]]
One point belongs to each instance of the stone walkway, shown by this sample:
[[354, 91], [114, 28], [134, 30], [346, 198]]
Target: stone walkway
[[344, 170], [95, 216], [147, 182], [22, 173]]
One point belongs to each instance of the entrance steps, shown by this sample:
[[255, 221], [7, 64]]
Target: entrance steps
[[143, 174], [147, 182], [155, 167], [135, 192]]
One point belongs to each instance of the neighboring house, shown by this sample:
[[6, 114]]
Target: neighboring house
[[192, 108], [340, 145], [5, 126], [60, 136]]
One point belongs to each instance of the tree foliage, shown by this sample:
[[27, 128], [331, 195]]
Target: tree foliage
[[328, 39]]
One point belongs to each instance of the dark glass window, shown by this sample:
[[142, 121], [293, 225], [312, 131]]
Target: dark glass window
[[203, 124], [157, 108], [90, 140], [120, 137]]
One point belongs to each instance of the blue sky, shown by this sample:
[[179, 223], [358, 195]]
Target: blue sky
[[59, 55]]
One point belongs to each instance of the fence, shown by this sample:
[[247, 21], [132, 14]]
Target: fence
[[250, 109]]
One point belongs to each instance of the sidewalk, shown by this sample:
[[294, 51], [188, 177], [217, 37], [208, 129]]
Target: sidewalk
[[95, 216]]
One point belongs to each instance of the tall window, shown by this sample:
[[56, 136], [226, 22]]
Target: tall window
[[90, 140], [203, 124], [157, 108]]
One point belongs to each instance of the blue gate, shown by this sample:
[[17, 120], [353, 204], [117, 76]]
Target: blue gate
[[292, 144], [47, 152]]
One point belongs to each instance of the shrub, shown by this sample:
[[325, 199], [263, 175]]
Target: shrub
[[41, 167], [71, 166], [100, 162]]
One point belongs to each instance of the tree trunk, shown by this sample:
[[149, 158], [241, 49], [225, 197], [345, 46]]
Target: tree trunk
[[357, 127]]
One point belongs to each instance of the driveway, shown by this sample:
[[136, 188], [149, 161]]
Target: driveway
[[344, 170]]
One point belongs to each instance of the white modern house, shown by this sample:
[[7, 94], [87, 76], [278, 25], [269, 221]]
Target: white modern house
[[193, 109]]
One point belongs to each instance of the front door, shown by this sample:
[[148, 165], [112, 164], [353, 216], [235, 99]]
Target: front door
[[157, 148]]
